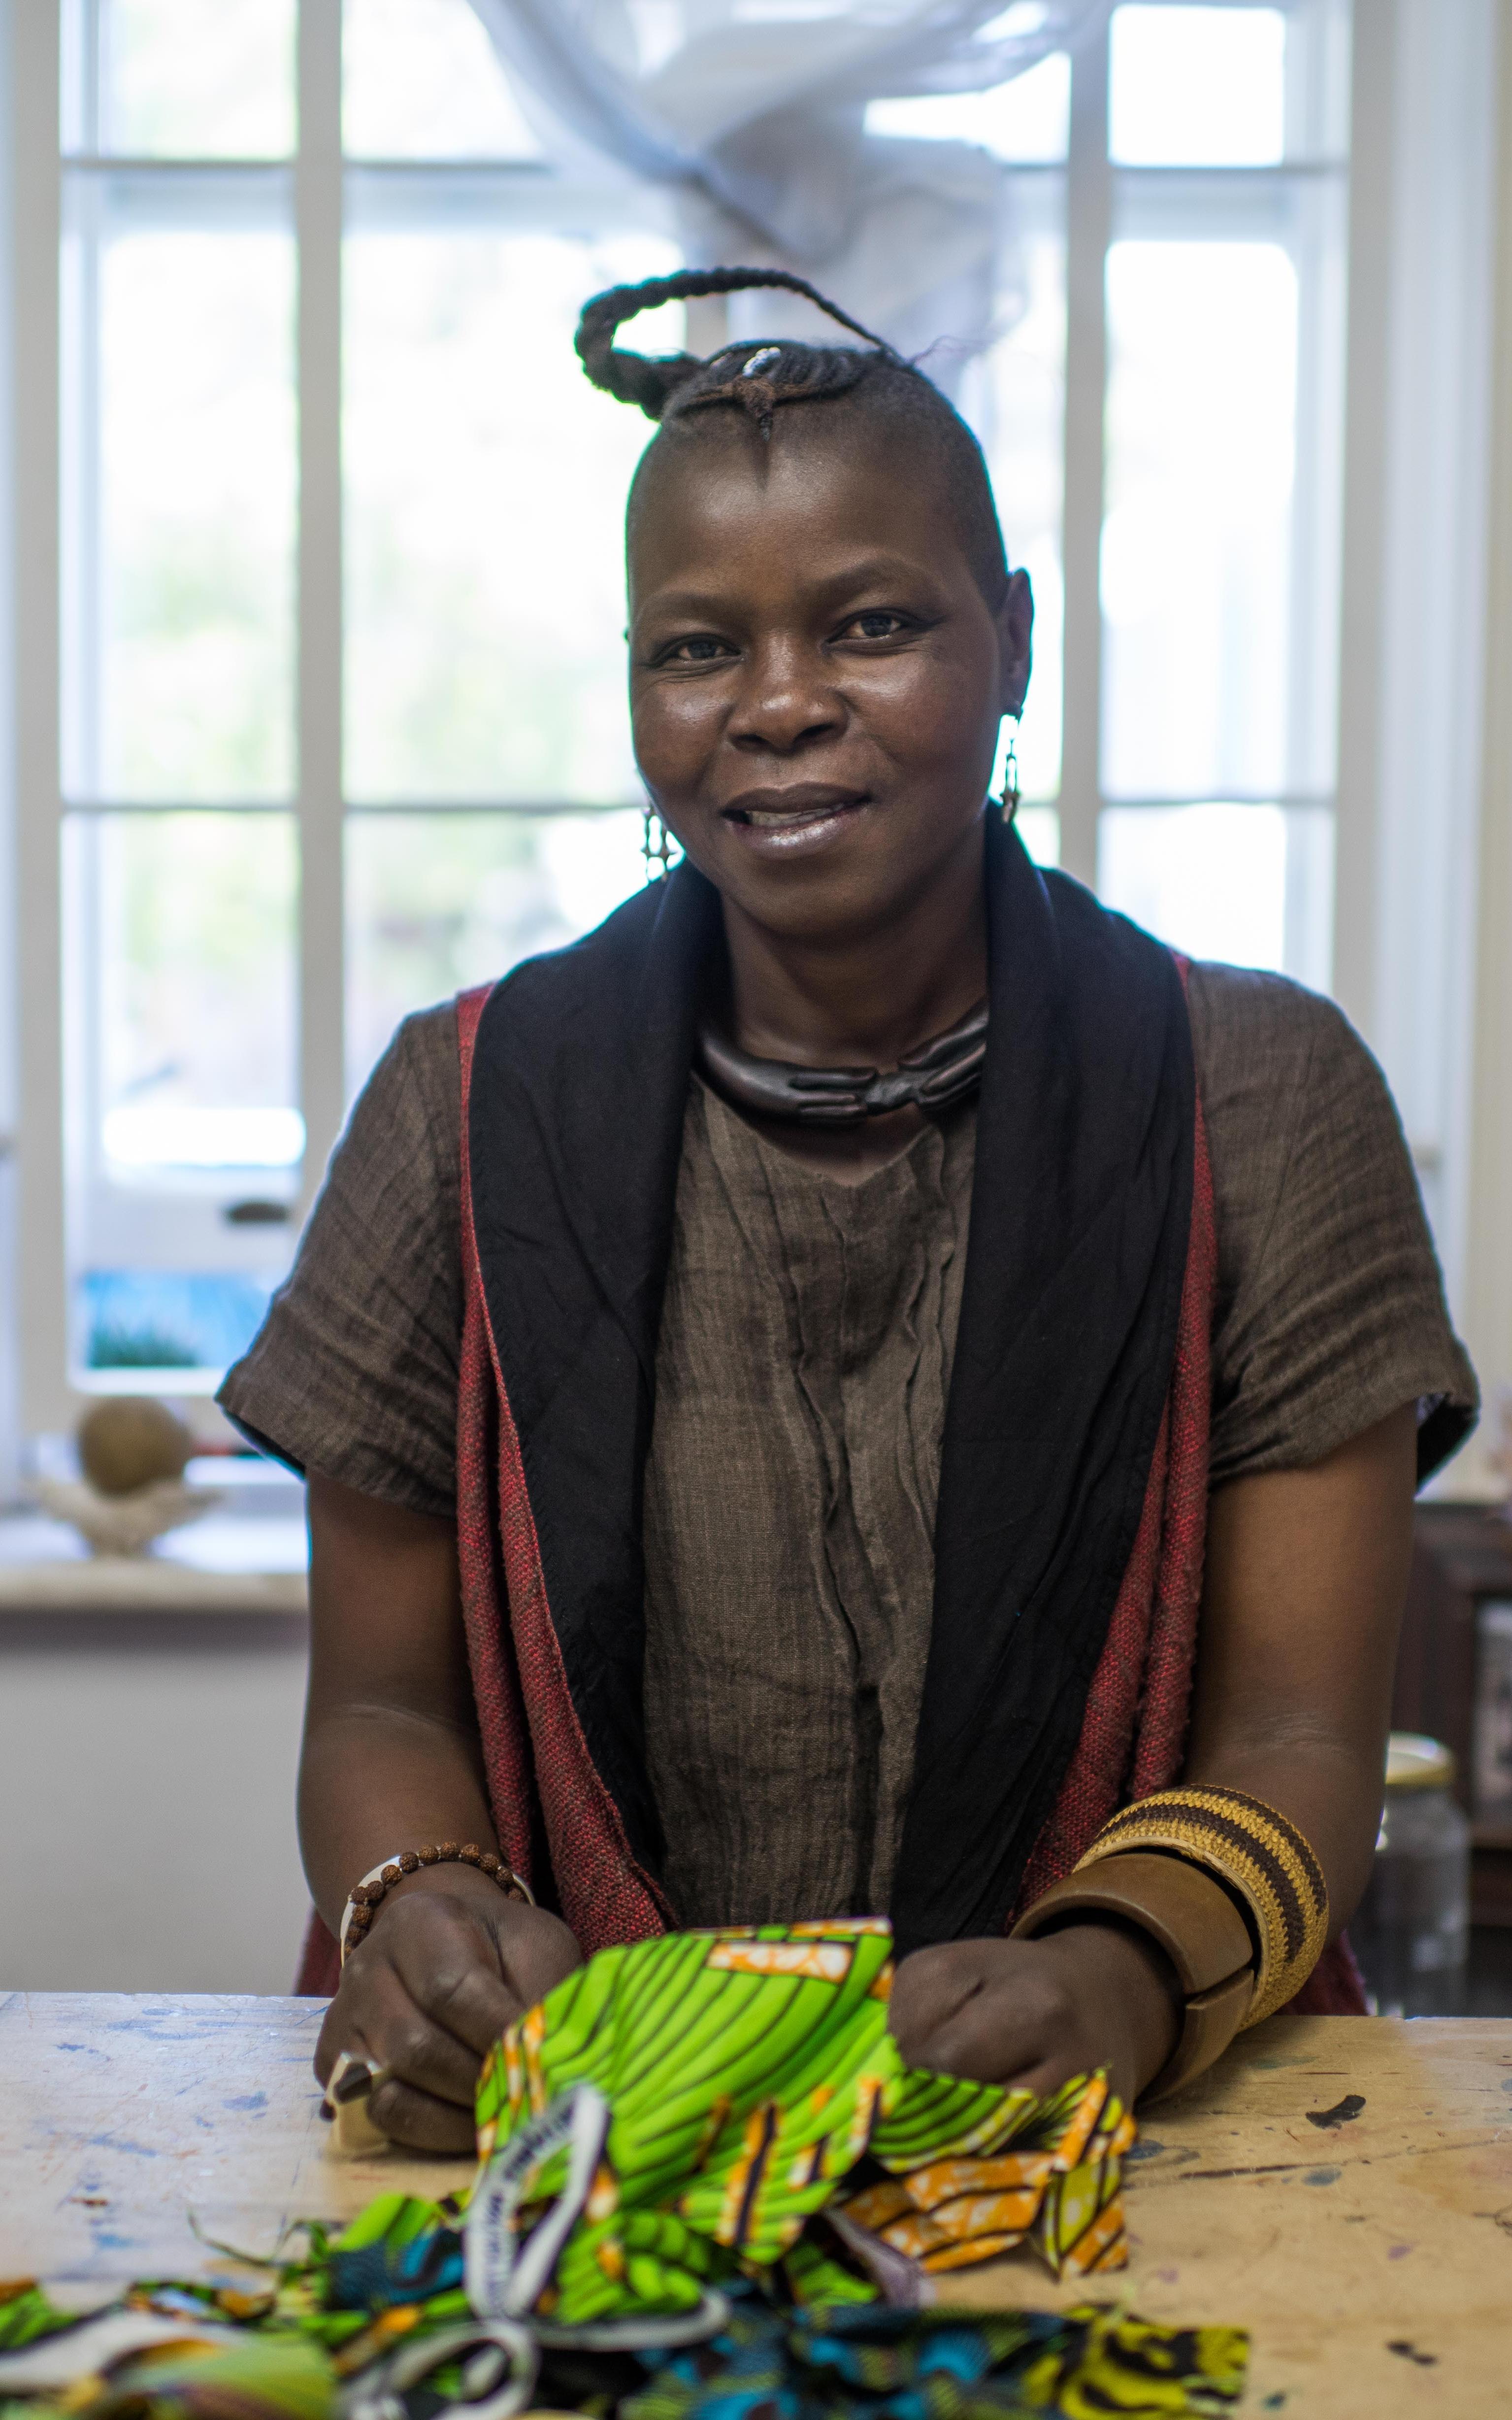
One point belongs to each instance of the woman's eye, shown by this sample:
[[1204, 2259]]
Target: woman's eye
[[878, 626], [694, 651]]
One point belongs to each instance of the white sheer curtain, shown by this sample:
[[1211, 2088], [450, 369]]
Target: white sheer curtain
[[752, 112]]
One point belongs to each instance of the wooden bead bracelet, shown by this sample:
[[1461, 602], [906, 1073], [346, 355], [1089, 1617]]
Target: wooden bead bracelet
[[370, 1893]]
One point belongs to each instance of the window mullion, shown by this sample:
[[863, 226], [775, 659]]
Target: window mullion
[[318, 224], [33, 168], [1088, 207], [1371, 170]]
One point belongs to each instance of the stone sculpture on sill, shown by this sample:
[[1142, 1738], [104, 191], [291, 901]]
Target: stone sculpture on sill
[[133, 1455]]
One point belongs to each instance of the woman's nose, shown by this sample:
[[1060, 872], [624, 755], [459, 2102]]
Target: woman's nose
[[785, 700]]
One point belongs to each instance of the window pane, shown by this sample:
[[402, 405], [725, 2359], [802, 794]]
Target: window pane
[[1197, 87], [1028, 119], [436, 901], [422, 81], [187, 977], [1015, 400], [180, 995], [137, 1325], [1038, 829], [180, 505], [1198, 543], [175, 79], [1251, 885], [485, 484]]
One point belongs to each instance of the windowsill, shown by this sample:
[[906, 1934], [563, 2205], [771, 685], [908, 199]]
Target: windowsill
[[227, 1563], [146, 1380]]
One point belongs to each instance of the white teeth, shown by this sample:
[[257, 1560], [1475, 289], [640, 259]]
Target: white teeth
[[768, 816]]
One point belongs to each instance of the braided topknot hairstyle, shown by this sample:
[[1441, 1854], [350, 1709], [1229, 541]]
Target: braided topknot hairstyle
[[757, 376], [680, 391]]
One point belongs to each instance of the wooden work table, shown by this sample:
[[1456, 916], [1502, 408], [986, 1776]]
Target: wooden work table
[[1340, 2186]]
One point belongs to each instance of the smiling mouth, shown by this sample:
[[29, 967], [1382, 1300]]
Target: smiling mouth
[[771, 811]]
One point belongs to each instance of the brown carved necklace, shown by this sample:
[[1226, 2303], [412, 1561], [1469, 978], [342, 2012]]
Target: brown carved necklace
[[944, 1071]]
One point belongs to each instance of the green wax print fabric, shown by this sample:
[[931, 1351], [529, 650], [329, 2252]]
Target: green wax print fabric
[[27, 2316], [162, 2352], [204, 2349], [765, 2363], [744, 2075], [723, 2090], [262, 2378]]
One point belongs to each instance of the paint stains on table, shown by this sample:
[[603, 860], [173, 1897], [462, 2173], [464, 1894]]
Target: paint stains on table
[[1342, 2112]]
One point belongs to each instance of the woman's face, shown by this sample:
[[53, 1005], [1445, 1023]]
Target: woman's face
[[816, 679]]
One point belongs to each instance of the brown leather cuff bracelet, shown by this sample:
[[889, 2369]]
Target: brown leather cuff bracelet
[[1193, 1918], [1256, 1853]]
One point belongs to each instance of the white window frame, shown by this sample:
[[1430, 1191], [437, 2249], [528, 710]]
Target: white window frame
[[1108, 202], [1371, 925], [9, 871]]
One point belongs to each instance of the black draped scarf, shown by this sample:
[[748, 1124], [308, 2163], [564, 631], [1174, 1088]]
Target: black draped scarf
[[1080, 1215]]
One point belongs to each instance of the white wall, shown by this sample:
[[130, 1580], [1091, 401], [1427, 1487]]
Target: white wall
[[146, 1802]]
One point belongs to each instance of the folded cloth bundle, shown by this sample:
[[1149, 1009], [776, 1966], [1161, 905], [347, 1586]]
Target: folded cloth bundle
[[687, 2105]]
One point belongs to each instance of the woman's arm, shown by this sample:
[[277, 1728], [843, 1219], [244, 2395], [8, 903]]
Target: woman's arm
[[1305, 1584], [1306, 1576], [392, 1759], [391, 1746]]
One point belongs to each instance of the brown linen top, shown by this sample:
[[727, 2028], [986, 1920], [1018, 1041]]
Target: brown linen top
[[802, 1367]]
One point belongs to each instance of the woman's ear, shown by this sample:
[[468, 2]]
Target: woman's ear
[[1014, 619]]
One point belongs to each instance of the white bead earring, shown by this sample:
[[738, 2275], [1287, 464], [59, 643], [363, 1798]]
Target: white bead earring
[[1009, 804], [655, 845]]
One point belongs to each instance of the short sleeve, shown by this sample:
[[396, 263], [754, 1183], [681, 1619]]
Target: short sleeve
[[354, 1371], [1330, 1310]]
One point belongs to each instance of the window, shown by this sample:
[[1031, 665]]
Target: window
[[341, 721], [1222, 506], [1200, 510], [461, 634]]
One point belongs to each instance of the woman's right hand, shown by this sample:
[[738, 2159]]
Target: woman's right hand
[[448, 1965]]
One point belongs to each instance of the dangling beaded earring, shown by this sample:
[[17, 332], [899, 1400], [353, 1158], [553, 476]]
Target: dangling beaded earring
[[655, 845], [1010, 801]]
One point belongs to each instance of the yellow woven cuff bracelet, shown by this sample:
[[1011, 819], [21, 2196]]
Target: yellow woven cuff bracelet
[[1260, 1857]]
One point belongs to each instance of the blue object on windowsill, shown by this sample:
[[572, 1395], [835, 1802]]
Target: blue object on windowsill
[[168, 1319]]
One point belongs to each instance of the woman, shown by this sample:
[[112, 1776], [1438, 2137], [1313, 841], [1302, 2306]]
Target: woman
[[744, 1487]]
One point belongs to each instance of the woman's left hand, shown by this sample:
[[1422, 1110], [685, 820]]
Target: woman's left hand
[[1038, 2012]]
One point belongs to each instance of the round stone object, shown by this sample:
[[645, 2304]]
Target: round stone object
[[129, 1441]]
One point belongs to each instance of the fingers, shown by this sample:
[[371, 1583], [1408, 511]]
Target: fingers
[[537, 1952], [475, 1979], [406, 2039], [999, 2036], [424, 2000], [996, 2012], [929, 1989], [1035, 2013], [339, 2031], [420, 2122], [426, 1996], [447, 1962]]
